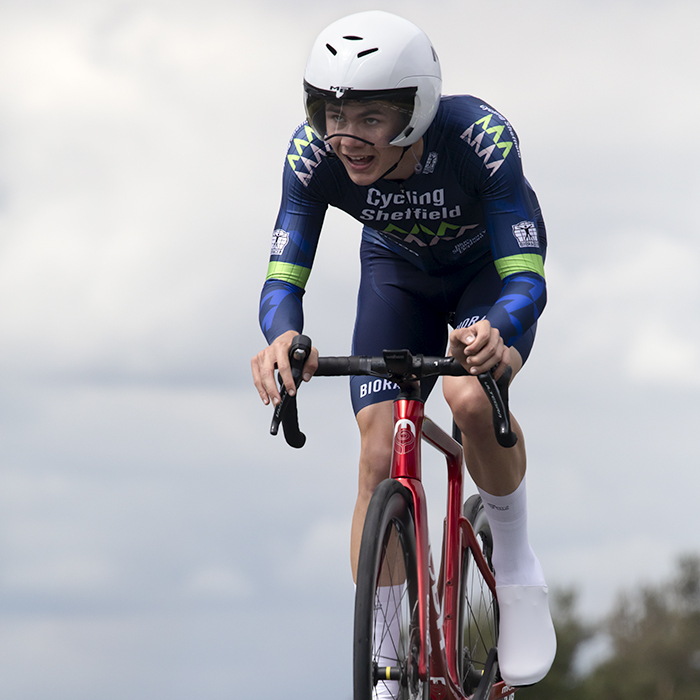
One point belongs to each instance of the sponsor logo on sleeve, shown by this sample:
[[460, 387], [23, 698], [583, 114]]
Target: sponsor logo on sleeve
[[280, 238], [526, 234]]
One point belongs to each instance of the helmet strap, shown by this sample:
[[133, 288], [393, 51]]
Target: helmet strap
[[395, 165]]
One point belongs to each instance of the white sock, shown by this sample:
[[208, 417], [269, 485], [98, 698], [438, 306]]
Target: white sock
[[513, 559]]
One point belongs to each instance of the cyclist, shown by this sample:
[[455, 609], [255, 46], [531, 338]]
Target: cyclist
[[452, 235]]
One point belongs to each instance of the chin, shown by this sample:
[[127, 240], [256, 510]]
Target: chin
[[362, 179]]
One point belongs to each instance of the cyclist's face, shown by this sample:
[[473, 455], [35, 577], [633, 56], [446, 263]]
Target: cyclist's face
[[360, 133]]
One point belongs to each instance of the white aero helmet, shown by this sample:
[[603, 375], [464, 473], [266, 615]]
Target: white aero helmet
[[374, 56]]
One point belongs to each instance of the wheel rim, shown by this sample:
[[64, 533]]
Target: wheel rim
[[479, 614]]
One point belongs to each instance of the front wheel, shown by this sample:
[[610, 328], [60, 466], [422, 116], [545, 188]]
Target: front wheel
[[478, 609], [387, 636]]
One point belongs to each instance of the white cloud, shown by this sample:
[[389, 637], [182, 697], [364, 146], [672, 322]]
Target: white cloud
[[76, 575], [628, 306], [663, 355], [323, 555], [126, 234], [218, 582]]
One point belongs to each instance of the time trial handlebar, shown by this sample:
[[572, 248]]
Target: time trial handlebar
[[399, 366]]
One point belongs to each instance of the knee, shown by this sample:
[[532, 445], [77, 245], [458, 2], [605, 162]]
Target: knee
[[375, 465], [469, 404]]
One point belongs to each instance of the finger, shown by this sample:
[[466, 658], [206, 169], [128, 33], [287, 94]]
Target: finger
[[488, 357], [257, 380], [481, 366], [311, 365], [267, 374], [264, 371], [476, 337], [463, 342], [503, 364], [285, 370]]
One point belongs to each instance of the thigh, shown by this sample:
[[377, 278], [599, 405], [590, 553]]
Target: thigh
[[394, 311]]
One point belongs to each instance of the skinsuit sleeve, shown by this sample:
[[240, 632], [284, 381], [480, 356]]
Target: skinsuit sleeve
[[295, 238], [514, 223]]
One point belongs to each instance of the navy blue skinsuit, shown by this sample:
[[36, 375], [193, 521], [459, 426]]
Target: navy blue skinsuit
[[461, 240]]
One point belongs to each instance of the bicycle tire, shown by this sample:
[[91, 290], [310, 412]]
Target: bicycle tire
[[477, 631], [387, 558]]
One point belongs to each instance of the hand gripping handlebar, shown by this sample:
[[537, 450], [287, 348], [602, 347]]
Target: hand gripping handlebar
[[286, 410], [399, 366]]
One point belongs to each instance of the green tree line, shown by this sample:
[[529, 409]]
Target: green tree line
[[653, 636]]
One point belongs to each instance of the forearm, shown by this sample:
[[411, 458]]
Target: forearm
[[519, 305], [280, 308]]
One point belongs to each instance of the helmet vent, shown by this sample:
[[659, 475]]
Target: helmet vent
[[435, 58], [331, 49], [352, 37], [366, 52]]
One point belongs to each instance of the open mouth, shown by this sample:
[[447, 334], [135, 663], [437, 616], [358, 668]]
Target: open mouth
[[359, 161]]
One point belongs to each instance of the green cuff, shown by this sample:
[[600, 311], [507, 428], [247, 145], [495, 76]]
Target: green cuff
[[526, 262], [287, 272]]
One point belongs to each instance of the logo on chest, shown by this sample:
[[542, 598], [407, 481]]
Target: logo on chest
[[407, 205]]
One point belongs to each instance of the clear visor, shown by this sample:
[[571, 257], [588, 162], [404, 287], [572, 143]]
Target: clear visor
[[375, 117]]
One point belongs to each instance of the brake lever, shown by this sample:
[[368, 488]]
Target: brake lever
[[286, 410], [497, 392]]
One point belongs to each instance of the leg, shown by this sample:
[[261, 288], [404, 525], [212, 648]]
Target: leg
[[494, 469], [375, 423], [527, 642], [394, 310], [499, 474]]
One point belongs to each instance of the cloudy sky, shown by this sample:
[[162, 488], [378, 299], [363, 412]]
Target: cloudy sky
[[155, 542]]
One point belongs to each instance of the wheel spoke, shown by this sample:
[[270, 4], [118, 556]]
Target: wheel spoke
[[478, 631]]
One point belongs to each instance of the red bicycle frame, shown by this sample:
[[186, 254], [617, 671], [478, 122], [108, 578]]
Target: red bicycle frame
[[438, 598]]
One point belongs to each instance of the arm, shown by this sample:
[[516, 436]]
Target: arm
[[519, 305], [518, 243], [292, 252], [517, 232], [280, 308]]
